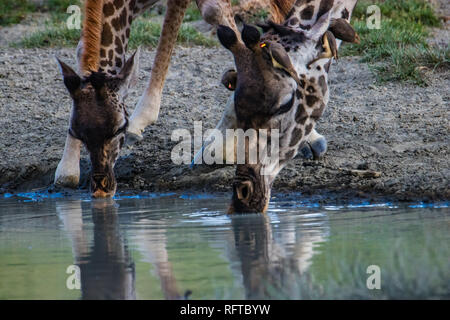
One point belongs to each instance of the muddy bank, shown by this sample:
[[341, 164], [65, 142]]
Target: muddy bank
[[397, 129]]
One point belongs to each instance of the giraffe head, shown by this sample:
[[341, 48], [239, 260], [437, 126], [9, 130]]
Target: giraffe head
[[281, 87], [100, 119]]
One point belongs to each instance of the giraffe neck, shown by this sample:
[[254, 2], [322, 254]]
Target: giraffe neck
[[118, 16], [305, 13], [312, 94]]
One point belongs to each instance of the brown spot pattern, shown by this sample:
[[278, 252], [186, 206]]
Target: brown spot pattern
[[325, 6], [317, 113], [300, 114], [108, 9], [289, 155], [308, 129], [119, 47], [119, 62], [323, 84], [107, 36], [311, 100], [296, 136], [307, 13], [118, 3], [302, 84], [293, 21]]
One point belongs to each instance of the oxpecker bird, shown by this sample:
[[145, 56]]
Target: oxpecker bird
[[280, 58], [343, 30], [330, 48]]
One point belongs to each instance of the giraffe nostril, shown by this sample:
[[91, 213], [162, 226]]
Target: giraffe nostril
[[104, 182], [244, 191], [99, 181]]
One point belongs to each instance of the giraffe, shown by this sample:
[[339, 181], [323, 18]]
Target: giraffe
[[99, 118], [269, 97], [107, 269]]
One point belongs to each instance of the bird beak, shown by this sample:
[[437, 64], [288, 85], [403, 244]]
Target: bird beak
[[326, 45]]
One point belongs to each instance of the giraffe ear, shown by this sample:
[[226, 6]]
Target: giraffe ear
[[71, 79], [250, 36], [130, 71], [227, 37], [229, 79], [320, 27]]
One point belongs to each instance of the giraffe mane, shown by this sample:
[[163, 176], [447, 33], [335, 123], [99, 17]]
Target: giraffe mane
[[91, 36], [279, 9]]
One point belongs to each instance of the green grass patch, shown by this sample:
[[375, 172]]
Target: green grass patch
[[143, 32], [189, 35], [59, 5], [53, 35], [12, 12], [147, 33], [192, 13], [411, 63], [398, 51], [417, 11]]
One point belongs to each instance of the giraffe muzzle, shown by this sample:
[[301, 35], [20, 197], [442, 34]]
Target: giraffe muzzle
[[102, 186]]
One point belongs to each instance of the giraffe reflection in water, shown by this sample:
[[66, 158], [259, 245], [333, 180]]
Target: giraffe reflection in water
[[262, 258]]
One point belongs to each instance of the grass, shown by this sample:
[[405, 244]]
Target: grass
[[260, 15], [56, 34], [147, 33], [398, 51], [192, 13], [143, 32], [52, 35], [12, 12]]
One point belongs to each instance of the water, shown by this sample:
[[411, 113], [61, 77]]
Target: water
[[166, 246]]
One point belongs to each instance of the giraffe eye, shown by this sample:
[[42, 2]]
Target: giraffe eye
[[286, 106], [122, 129]]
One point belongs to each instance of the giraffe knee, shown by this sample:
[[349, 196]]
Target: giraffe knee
[[211, 12], [314, 149], [305, 152], [319, 147]]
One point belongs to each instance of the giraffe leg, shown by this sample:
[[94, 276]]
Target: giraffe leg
[[147, 109], [71, 215], [315, 148], [153, 248], [68, 171], [217, 12], [228, 121]]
